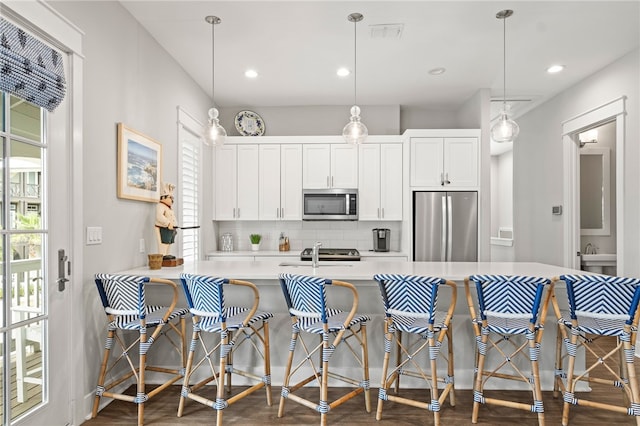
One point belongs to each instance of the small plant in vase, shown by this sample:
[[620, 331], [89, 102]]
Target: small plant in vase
[[255, 241]]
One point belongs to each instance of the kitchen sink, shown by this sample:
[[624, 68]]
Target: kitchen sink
[[321, 264]]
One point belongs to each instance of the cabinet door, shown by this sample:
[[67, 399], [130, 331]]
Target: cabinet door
[[248, 191], [316, 166], [291, 182], [426, 162], [269, 170], [461, 162], [344, 166], [391, 188], [226, 182], [369, 178]]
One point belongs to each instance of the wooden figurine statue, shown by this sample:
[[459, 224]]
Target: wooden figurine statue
[[166, 223]]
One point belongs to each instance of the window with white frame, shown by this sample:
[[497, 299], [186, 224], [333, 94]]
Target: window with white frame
[[189, 192]]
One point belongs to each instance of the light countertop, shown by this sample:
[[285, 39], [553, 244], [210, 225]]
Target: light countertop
[[355, 271]]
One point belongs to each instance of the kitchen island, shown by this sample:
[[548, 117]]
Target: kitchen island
[[265, 275]]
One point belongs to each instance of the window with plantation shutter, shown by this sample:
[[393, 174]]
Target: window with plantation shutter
[[189, 195]]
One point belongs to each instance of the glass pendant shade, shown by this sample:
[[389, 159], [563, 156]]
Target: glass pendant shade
[[355, 131], [214, 134], [505, 129]]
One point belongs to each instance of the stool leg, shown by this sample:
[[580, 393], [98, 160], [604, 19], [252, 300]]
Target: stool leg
[[221, 375], [267, 361], [287, 371], [384, 385], [434, 376], [535, 370], [450, 370], [324, 386], [103, 370], [143, 362], [477, 386], [570, 386], [365, 367], [187, 372]]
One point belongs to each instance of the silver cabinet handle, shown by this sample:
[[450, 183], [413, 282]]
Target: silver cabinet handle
[[383, 212], [282, 212], [378, 212], [238, 212], [446, 178], [332, 181], [277, 212], [234, 212], [442, 179]]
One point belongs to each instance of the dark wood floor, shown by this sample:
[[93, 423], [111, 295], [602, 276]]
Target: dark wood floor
[[252, 410]]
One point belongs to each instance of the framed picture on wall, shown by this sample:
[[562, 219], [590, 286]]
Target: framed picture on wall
[[139, 165]]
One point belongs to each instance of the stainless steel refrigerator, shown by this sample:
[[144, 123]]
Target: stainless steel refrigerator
[[445, 226]]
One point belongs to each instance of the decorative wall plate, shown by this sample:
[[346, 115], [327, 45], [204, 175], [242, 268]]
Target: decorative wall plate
[[248, 123]]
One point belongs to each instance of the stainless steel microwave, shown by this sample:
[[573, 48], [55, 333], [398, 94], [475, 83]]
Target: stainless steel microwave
[[330, 204]]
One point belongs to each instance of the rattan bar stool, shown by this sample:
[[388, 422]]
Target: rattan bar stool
[[508, 320], [410, 306], [124, 301], [599, 306], [236, 327], [340, 331]]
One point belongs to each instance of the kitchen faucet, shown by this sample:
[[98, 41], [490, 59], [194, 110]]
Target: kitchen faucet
[[315, 254], [589, 249]]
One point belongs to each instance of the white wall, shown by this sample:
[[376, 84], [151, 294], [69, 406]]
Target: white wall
[[127, 78], [538, 164]]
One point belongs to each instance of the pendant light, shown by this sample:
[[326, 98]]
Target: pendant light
[[214, 133], [505, 129], [355, 131]]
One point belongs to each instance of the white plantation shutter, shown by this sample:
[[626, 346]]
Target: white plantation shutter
[[189, 193]]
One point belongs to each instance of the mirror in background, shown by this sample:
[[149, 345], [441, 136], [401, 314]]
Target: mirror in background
[[595, 197]]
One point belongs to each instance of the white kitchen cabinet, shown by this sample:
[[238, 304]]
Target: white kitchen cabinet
[[280, 183], [329, 166], [450, 162], [237, 182], [380, 181]]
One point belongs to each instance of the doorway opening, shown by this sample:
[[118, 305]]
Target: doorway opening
[[609, 118]]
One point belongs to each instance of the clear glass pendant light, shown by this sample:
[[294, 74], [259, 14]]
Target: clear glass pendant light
[[505, 129], [214, 133], [355, 132]]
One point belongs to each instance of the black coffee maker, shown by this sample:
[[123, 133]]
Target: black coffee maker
[[381, 239]]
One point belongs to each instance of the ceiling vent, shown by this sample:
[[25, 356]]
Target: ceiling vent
[[387, 31]]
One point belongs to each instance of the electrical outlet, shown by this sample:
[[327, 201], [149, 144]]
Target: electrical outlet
[[141, 245]]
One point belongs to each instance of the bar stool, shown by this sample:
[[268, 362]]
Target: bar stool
[[599, 305], [235, 326], [509, 321], [306, 299], [124, 301], [410, 306]]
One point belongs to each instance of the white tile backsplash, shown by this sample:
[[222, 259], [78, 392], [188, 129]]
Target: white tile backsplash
[[334, 234]]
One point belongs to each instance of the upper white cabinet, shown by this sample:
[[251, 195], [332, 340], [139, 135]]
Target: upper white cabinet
[[329, 166], [237, 182], [450, 162], [280, 182], [380, 176]]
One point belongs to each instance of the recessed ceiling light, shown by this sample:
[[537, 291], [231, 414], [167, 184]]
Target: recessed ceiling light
[[251, 73], [343, 72], [555, 69], [437, 71]]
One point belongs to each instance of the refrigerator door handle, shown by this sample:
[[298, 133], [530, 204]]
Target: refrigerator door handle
[[443, 242], [449, 227]]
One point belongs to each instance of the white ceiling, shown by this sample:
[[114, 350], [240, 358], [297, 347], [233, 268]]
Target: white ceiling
[[297, 46]]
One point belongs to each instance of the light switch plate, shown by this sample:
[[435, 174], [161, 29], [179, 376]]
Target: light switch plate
[[94, 235], [556, 210]]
